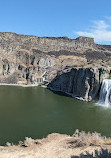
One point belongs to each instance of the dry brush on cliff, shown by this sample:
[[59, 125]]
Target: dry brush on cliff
[[81, 144]]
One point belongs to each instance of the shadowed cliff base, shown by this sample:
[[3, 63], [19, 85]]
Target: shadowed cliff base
[[81, 83]]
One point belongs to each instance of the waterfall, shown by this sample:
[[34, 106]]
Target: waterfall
[[105, 93]]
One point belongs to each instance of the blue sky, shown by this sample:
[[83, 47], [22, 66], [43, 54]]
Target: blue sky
[[70, 18]]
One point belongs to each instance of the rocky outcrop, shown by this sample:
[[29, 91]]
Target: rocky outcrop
[[82, 83], [45, 44], [24, 58], [46, 62], [7, 67]]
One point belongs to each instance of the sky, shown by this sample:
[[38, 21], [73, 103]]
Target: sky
[[71, 18]]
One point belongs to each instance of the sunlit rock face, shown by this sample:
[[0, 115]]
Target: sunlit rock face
[[46, 62], [24, 57]]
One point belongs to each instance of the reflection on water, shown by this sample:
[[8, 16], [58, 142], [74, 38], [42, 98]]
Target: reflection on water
[[35, 112]]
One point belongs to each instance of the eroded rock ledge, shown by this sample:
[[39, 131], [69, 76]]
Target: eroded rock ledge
[[74, 66]]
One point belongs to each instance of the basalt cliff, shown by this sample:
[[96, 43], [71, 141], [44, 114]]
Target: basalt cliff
[[74, 66]]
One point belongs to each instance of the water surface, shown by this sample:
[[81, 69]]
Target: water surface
[[35, 112]]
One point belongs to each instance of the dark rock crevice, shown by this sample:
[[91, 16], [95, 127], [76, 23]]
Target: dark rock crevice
[[80, 82]]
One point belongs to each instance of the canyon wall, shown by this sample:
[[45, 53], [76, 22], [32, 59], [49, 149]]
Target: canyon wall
[[23, 56], [81, 83], [65, 64], [11, 41]]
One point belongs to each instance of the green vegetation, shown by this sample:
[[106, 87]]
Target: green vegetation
[[74, 65], [109, 76]]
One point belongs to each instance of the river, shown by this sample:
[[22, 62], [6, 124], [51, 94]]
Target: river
[[36, 112]]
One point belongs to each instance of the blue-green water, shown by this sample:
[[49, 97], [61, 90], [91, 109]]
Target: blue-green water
[[35, 112]]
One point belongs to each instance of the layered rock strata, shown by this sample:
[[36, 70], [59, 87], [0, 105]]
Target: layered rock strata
[[24, 58]]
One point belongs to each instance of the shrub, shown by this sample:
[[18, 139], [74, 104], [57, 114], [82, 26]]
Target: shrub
[[27, 142], [104, 153], [8, 144], [89, 139]]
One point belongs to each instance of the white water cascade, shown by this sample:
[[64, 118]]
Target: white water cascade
[[105, 93]]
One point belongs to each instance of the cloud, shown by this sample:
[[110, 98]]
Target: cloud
[[100, 31], [108, 17]]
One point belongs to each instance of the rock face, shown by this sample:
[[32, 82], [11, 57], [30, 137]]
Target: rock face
[[46, 62], [82, 83], [26, 59], [44, 44]]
